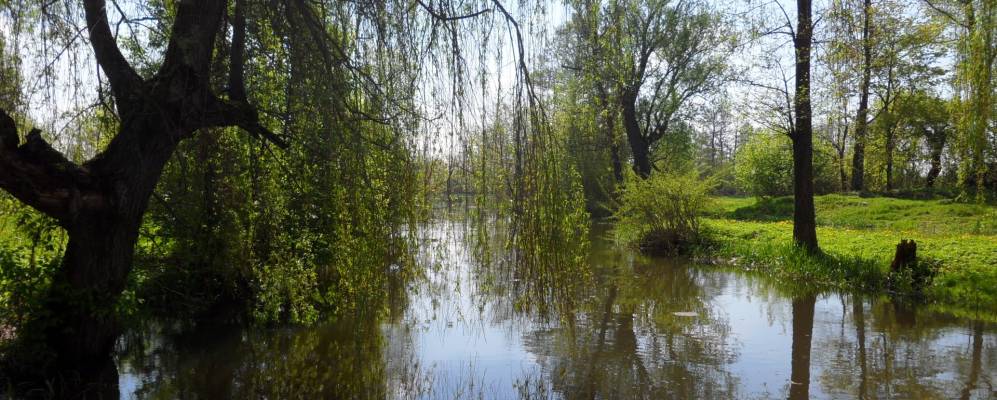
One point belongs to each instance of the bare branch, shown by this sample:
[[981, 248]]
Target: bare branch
[[948, 15], [443, 17]]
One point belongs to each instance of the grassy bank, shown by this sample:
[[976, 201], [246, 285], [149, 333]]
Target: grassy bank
[[858, 237]]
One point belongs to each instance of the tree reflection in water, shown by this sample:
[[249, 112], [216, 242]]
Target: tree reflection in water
[[475, 325], [803, 326]]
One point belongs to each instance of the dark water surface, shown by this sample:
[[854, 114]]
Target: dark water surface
[[641, 328]]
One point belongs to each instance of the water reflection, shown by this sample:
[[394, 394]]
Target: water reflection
[[341, 360], [803, 327], [475, 325]]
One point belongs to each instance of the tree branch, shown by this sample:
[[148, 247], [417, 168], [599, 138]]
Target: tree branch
[[237, 64], [41, 177], [443, 17], [192, 40], [222, 113], [124, 80]]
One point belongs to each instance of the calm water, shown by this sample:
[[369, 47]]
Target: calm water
[[639, 328]]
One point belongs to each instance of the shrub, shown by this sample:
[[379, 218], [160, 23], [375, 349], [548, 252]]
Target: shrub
[[764, 166], [661, 214]]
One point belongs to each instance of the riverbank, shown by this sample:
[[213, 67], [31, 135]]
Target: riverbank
[[858, 238]]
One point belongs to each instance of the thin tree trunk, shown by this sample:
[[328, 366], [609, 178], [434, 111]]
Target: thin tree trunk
[[804, 215], [862, 125], [841, 160], [936, 162], [890, 138]]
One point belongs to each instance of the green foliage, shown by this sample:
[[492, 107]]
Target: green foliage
[[974, 108], [676, 151], [284, 235], [30, 251], [765, 166], [550, 214], [662, 213]]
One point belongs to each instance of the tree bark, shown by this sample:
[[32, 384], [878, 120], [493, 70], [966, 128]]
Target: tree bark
[[861, 123], [890, 138], [936, 162], [804, 215], [639, 145], [101, 203], [83, 294]]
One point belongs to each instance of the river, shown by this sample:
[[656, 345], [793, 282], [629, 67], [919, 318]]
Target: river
[[470, 327]]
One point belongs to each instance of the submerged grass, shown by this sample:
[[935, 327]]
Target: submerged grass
[[858, 238]]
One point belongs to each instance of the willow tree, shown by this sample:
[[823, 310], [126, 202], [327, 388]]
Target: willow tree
[[976, 73], [100, 202], [197, 81], [660, 54], [974, 109]]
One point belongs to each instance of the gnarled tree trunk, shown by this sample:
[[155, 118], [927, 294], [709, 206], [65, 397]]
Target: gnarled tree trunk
[[101, 202]]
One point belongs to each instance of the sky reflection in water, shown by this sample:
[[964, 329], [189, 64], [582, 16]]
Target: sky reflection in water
[[470, 329]]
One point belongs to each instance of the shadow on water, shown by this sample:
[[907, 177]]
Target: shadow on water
[[480, 323]]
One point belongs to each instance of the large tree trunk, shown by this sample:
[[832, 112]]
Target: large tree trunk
[[98, 256], [862, 125], [804, 216], [639, 145], [84, 292], [101, 202]]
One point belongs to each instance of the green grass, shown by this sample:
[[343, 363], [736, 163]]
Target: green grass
[[928, 217], [858, 237]]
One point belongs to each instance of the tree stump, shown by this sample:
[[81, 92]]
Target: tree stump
[[905, 257]]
